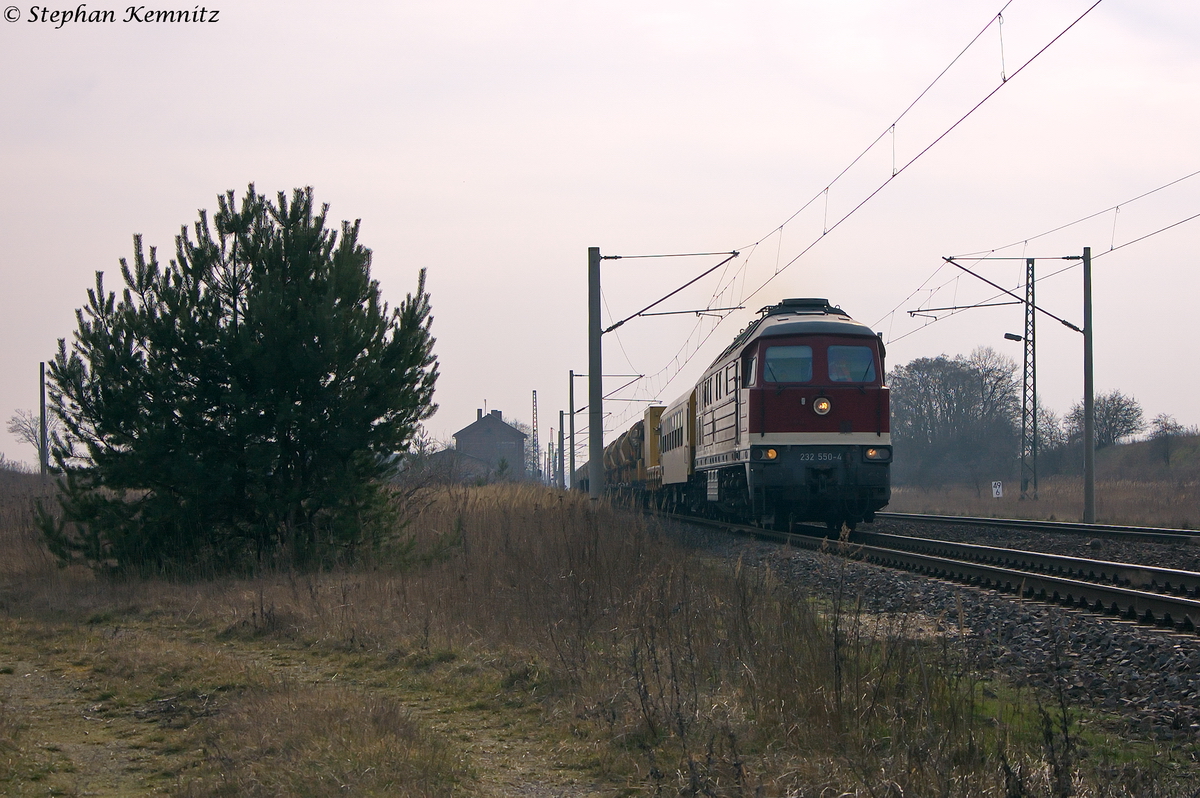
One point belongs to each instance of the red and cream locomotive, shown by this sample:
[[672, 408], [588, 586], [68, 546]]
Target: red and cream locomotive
[[789, 423]]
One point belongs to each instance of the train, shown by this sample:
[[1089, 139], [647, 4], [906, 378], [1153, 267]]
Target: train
[[791, 423]]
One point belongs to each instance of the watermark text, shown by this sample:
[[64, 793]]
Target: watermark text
[[60, 17]]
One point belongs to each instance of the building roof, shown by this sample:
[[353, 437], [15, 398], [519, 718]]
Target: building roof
[[491, 425]]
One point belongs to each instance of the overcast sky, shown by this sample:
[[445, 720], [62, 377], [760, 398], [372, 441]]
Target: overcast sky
[[493, 143]]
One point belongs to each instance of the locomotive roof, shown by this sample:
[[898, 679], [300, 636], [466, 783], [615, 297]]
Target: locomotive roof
[[797, 316]]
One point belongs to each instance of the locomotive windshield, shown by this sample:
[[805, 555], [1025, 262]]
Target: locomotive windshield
[[788, 364], [851, 364]]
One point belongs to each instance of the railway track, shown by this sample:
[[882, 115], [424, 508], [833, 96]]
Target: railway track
[[1106, 530], [1159, 596], [1141, 577]]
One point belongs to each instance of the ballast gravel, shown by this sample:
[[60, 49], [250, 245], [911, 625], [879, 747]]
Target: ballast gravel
[[1148, 676]]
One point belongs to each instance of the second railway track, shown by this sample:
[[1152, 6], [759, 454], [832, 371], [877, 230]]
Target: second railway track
[[1148, 578], [1155, 534], [1160, 596]]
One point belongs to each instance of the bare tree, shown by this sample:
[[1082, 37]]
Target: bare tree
[[956, 418], [26, 426], [1165, 426], [532, 466], [13, 466], [1052, 436], [1117, 416], [1163, 430], [996, 378]]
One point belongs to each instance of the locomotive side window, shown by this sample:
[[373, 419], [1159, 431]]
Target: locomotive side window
[[851, 364], [751, 373], [787, 364]]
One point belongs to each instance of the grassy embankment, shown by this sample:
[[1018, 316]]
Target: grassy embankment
[[1148, 483], [512, 636]]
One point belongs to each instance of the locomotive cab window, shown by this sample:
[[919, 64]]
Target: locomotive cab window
[[787, 364], [750, 374], [851, 364]]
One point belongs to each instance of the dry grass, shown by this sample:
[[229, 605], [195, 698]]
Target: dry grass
[[1146, 483], [634, 658], [265, 745], [175, 667], [11, 726], [25, 555], [1126, 502]]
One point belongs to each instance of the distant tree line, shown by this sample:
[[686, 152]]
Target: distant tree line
[[958, 419]]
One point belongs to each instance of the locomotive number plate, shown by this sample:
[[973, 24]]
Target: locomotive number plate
[[819, 457]]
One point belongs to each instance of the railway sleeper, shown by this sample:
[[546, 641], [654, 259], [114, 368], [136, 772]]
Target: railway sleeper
[[956, 573], [1166, 621]]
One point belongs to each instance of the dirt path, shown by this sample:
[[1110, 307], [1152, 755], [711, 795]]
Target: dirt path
[[89, 726], [508, 761], [68, 748]]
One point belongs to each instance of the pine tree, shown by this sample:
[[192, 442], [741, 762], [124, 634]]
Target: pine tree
[[241, 405]]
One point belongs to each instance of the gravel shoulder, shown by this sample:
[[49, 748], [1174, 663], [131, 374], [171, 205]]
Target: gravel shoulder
[[1148, 678]]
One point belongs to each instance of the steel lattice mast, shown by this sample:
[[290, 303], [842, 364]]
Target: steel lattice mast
[[1029, 421], [537, 456]]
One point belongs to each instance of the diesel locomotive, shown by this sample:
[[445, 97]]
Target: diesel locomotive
[[789, 424]]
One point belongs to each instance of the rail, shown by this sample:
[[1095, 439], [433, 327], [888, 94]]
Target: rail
[[1144, 577], [1179, 612], [1135, 532]]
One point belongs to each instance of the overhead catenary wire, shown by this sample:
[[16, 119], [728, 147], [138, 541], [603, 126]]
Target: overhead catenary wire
[[614, 327], [666, 255], [1024, 242], [1149, 235], [675, 361], [1062, 321], [1087, 218], [928, 147], [824, 192], [694, 280], [889, 129], [620, 343], [1069, 267], [742, 297], [676, 365]]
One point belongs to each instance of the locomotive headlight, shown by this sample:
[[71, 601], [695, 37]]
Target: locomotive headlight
[[772, 454], [877, 454], [821, 406]]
